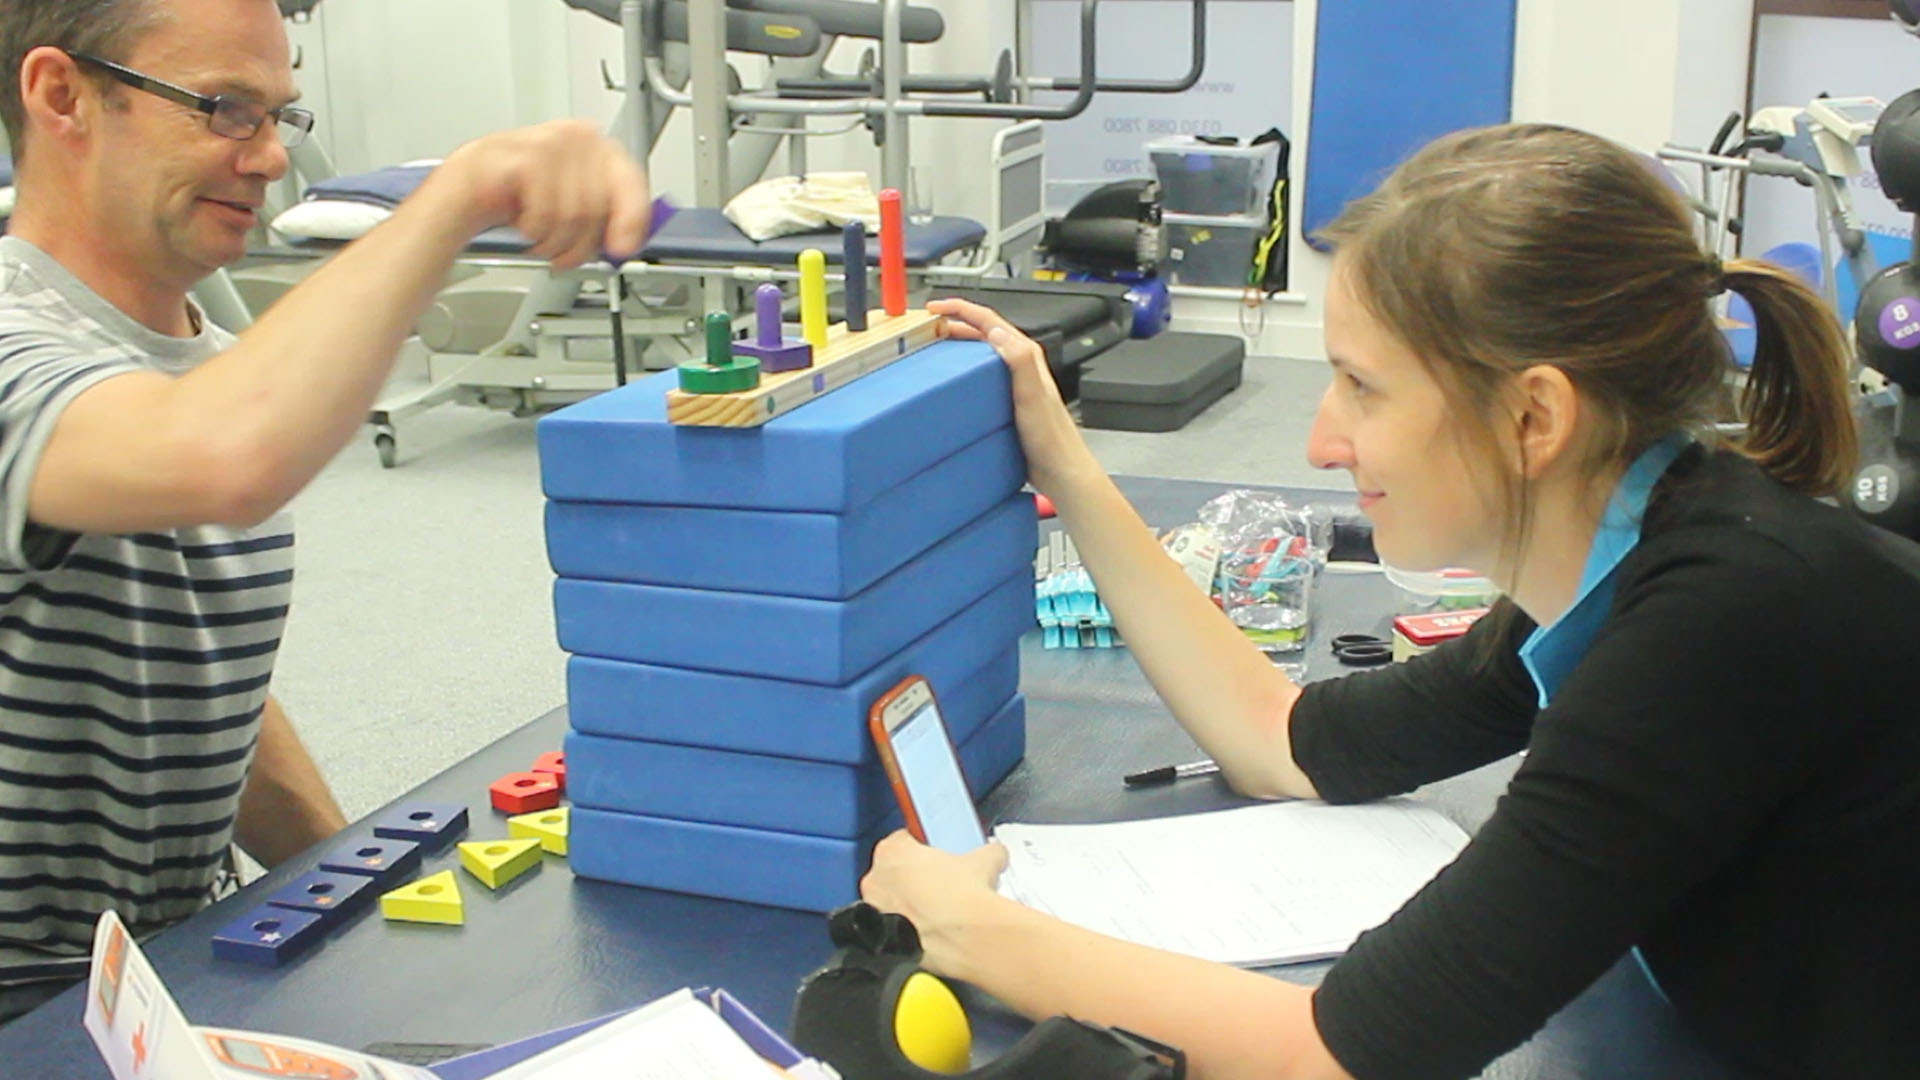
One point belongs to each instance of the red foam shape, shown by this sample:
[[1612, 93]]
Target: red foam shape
[[524, 792], [553, 763]]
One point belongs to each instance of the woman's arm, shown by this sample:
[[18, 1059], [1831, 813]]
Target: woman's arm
[[1230, 1022], [1224, 691]]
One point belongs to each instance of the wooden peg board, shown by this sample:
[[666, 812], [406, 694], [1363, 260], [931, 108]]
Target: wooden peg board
[[848, 356]]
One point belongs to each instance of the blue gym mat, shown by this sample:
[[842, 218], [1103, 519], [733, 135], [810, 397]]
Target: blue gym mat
[[1389, 77], [828, 455], [790, 870], [784, 637], [791, 719], [786, 553], [761, 791]]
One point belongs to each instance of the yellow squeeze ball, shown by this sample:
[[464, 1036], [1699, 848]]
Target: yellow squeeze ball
[[931, 1027]]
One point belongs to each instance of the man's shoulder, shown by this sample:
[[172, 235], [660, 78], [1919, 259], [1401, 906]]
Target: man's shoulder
[[30, 305]]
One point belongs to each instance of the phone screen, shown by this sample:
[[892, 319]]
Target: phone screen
[[932, 776]]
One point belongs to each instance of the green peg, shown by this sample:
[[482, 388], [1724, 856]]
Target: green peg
[[723, 372], [719, 339]]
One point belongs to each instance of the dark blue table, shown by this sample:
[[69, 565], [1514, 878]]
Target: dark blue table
[[550, 950]]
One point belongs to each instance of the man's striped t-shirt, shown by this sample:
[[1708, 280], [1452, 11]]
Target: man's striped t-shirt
[[132, 668]]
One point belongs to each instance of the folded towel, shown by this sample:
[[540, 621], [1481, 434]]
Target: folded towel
[[785, 205]]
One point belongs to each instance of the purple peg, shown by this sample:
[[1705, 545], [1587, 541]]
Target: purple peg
[[775, 353], [766, 309]]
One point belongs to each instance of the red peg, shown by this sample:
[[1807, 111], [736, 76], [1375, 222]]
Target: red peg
[[893, 254]]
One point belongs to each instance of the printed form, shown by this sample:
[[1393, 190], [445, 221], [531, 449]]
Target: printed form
[[1278, 883]]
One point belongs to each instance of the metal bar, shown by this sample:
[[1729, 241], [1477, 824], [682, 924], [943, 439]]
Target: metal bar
[[707, 40], [1083, 93], [638, 131], [893, 68], [1197, 51], [1022, 49], [712, 119], [751, 146]]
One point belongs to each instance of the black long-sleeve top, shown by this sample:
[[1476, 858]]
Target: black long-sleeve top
[[1730, 780]]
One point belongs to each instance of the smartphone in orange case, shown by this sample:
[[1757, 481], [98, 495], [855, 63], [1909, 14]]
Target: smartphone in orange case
[[920, 760]]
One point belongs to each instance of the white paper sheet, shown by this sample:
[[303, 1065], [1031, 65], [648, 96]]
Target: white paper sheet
[[674, 1038], [1270, 884]]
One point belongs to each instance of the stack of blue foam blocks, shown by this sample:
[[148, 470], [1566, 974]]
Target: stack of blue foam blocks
[[735, 599]]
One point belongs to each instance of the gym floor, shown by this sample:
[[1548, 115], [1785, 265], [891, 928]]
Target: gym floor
[[422, 624]]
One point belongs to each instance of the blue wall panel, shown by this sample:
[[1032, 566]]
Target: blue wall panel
[[1389, 77]]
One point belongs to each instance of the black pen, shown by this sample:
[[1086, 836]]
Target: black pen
[[1167, 774]]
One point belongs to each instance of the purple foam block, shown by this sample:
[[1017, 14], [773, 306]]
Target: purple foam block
[[268, 936]]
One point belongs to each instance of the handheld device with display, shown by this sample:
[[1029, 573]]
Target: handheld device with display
[[925, 771]]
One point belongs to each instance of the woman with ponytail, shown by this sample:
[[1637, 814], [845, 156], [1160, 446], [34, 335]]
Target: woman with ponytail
[[1704, 662]]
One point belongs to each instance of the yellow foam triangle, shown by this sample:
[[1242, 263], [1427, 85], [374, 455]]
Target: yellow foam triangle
[[434, 899], [547, 826], [496, 862]]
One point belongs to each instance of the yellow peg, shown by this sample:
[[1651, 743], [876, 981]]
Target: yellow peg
[[813, 298]]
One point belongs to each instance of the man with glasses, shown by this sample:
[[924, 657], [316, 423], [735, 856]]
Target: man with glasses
[[145, 455]]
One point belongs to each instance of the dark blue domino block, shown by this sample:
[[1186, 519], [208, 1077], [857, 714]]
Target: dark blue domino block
[[827, 556], [327, 894], [791, 719], [390, 863], [831, 454], [784, 637], [760, 791], [431, 825], [812, 873], [268, 936]]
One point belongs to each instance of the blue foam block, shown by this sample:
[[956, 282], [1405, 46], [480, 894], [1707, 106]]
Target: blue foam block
[[789, 553], [760, 791], [388, 862], [268, 936], [431, 825], [1452, 68], [811, 873], [327, 894], [792, 719], [784, 637], [833, 453]]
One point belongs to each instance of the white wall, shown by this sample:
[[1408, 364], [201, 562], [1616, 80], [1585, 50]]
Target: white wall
[[418, 78], [1644, 72]]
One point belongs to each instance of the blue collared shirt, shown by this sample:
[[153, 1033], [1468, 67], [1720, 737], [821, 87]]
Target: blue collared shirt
[[1552, 652]]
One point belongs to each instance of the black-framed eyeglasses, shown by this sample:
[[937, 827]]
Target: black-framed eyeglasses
[[227, 116]]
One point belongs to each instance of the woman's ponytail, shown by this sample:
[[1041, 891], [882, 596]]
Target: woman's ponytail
[[1800, 428]]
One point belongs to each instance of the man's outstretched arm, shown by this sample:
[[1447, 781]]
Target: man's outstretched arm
[[286, 806]]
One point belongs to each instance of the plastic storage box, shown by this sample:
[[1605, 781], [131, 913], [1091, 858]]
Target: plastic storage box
[[1211, 252], [1216, 181]]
